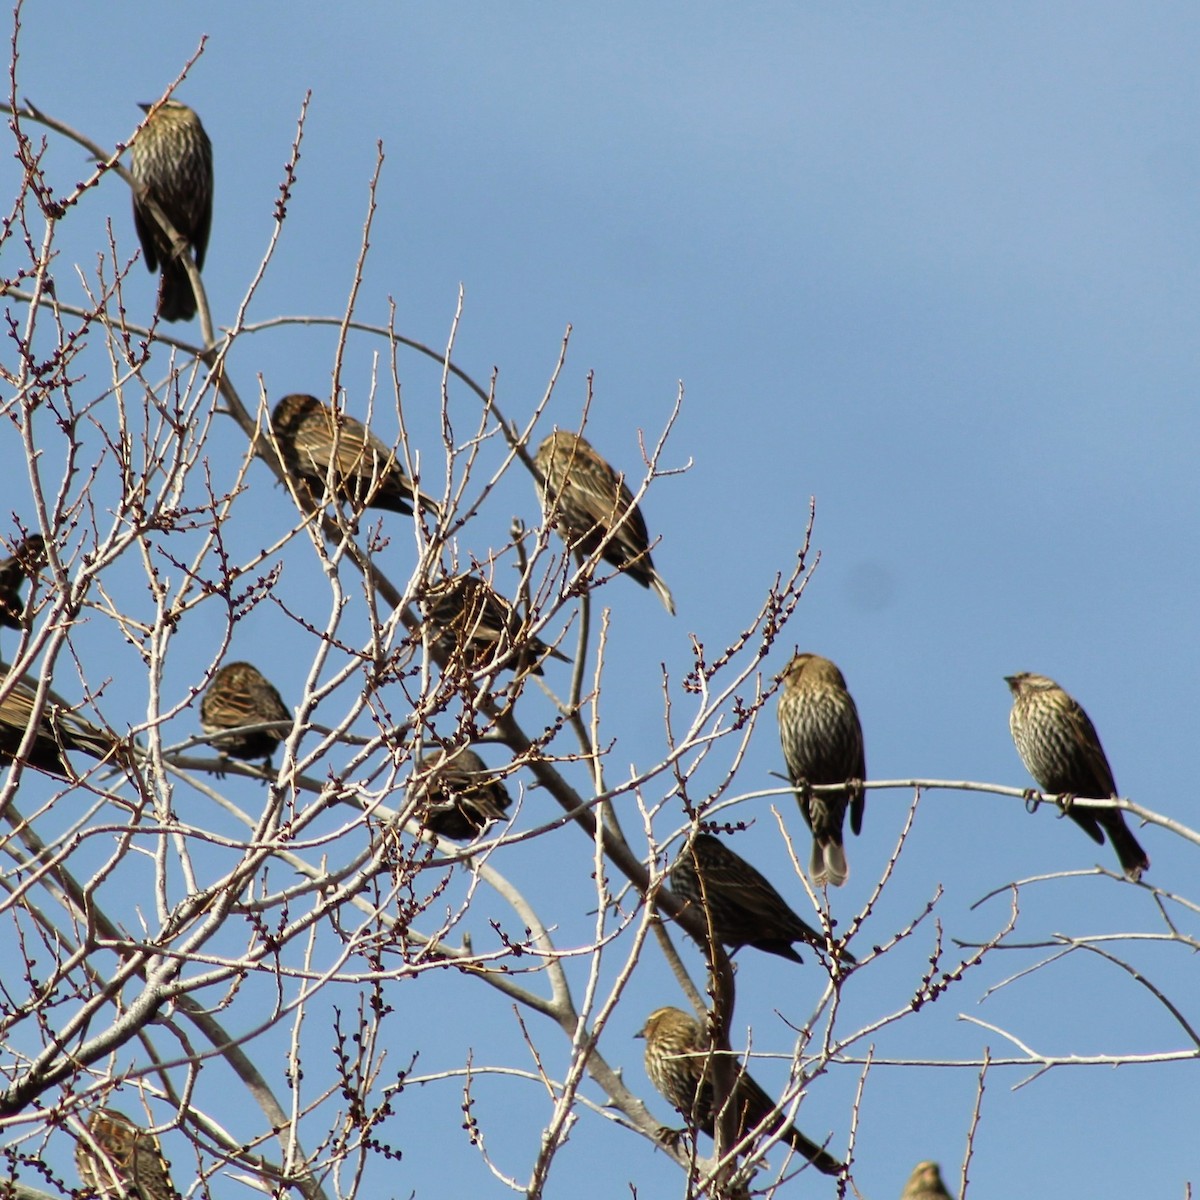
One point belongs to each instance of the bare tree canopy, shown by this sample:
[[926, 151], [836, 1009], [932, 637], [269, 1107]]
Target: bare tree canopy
[[360, 814]]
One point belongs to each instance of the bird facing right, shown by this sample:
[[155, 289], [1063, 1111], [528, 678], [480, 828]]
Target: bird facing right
[[593, 509], [823, 744], [318, 445], [679, 1064], [738, 902], [118, 1160], [25, 562], [925, 1183], [173, 167], [240, 695], [1060, 748]]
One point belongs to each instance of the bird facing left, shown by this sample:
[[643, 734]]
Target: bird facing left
[[739, 904], [241, 695], [118, 1160], [321, 448], [679, 1063]]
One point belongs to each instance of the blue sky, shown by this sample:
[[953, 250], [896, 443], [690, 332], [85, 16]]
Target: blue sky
[[935, 265]]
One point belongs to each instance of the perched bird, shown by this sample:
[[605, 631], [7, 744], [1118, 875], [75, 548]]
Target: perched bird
[[1060, 748], [173, 167], [28, 559], [742, 907], [679, 1063], [240, 695], [461, 797], [925, 1183], [475, 624], [58, 729], [823, 744], [589, 503], [119, 1160], [365, 472]]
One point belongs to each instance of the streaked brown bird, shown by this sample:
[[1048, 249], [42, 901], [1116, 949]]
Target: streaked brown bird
[[589, 503], [240, 695], [823, 744], [1060, 748], [679, 1064], [925, 1183], [173, 167], [743, 908], [58, 729], [365, 473], [120, 1160], [24, 563], [480, 628], [461, 797]]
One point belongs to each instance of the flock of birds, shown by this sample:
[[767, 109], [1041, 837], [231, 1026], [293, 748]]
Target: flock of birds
[[331, 457]]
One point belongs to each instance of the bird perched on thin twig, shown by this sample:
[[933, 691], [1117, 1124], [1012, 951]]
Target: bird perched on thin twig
[[823, 744], [24, 563], [118, 1160], [679, 1064], [742, 907], [240, 695], [460, 796], [480, 628], [173, 168], [593, 509], [1060, 748], [58, 729], [319, 446], [925, 1183]]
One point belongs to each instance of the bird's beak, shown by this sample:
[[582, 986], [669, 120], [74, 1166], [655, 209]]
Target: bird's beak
[[145, 107], [641, 1033]]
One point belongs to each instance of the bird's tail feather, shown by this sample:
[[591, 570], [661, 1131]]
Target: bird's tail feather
[[176, 299], [821, 1159], [828, 864], [663, 592], [1134, 859]]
